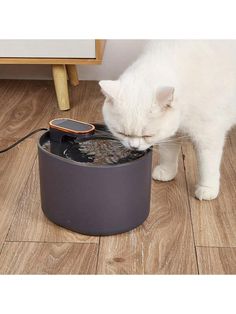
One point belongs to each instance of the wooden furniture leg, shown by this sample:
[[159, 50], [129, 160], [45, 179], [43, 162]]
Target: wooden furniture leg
[[72, 74], [60, 81]]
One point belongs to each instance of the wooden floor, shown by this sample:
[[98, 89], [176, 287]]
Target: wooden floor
[[181, 235]]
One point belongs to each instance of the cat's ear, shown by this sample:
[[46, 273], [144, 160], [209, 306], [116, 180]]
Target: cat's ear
[[165, 96], [110, 88]]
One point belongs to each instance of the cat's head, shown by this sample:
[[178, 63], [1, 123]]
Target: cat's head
[[139, 119]]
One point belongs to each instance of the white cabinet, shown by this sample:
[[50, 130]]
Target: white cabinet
[[63, 55], [68, 48]]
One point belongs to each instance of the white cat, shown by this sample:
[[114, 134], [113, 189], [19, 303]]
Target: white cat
[[186, 86]]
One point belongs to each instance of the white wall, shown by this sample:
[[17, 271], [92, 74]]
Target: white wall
[[117, 56]]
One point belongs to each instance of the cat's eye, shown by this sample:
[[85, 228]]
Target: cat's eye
[[128, 135], [122, 134], [147, 136]]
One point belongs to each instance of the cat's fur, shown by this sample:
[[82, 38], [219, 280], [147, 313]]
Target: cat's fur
[[187, 86]]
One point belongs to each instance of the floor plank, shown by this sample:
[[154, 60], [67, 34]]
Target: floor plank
[[29, 222], [217, 260], [86, 103], [28, 105], [214, 221], [25, 106], [163, 244], [48, 258], [15, 167]]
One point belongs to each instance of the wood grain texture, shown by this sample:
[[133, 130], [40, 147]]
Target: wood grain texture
[[25, 106], [48, 258], [28, 105], [86, 103], [163, 244], [217, 260], [100, 47], [15, 167], [29, 222], [84, 61], [214, 221], [60, 81], [72, 74]]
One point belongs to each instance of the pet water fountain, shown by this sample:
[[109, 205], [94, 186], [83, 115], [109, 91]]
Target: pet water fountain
[[89, 182]]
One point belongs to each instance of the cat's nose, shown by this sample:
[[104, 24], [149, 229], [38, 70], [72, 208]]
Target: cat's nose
[[133, 147], [134, 144]]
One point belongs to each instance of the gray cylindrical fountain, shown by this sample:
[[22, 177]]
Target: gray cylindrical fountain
[[93, 199]]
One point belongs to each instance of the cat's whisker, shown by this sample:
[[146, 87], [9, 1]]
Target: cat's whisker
[[176, 140], [168, 142]]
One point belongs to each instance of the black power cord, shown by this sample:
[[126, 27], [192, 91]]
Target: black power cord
[[22, 139]]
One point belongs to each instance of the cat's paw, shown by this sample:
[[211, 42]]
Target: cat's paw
[[206, 192], [163, 174]]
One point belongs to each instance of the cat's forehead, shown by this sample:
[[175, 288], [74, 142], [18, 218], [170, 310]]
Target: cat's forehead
[[127, 107], [136, 95], [135, 102]]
